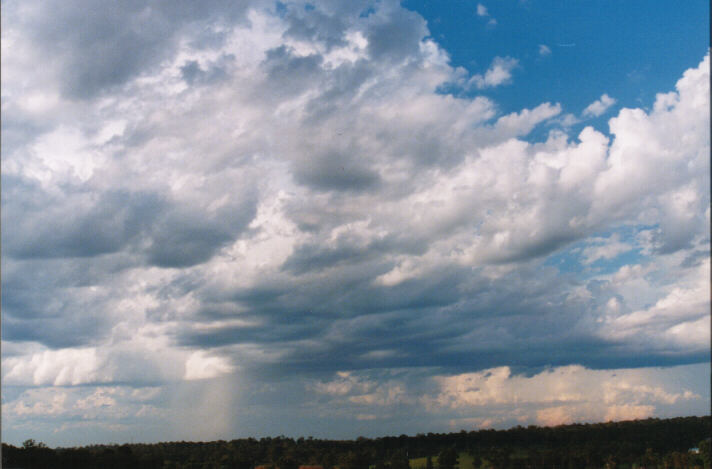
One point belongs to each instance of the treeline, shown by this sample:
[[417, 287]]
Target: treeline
[[650, 443]]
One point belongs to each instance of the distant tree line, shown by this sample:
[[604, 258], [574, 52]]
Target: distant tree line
[[642, 444]]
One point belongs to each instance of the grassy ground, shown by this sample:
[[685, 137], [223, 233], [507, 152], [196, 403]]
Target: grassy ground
[[464, 462], [419, 463]]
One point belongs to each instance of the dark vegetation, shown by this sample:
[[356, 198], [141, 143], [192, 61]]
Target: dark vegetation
[[651, 443]]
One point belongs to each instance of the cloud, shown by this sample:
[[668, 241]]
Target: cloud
[[644, 156], [598, 107], [482, 11], [600, 248], [499, 73], [96, 55], [201, 366], [523, 122], [679, 316], [395, 198], [544, 50], [498, 397], [258, 196], [567, 394], [56, 367]]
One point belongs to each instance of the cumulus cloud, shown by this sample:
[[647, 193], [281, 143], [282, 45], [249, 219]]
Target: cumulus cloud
[[559, 396], [679, 316], [580, 387], [54, 367], [645, 156], [497, 397], [598, 107]]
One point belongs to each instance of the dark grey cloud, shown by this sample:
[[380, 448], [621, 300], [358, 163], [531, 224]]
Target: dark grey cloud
[[98, 47], [289, 74], [312, 25], [182, 238], [695, 258], [20, 129], [84, 224], [335, 171], [51, 301], [316, 257], [398, 37], [67, 329], [193, 73], [182, 243], [81, 224], [341, 85], [455, 319], [101, 46]]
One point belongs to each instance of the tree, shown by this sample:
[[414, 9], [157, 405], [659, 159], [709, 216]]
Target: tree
[[31, 444], [650, 458], [705, 451], [352, 460], [477, 461], [429, 463], [499, 457], [399, 460], [447, 459], [287, 462]]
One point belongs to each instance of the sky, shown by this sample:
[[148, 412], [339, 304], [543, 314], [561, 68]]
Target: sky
[[351, 218]]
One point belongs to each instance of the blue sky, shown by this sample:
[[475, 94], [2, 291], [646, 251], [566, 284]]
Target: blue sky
[[351, 218], [630, 49]]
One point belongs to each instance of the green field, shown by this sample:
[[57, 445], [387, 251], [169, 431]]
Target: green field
[[464, 462]]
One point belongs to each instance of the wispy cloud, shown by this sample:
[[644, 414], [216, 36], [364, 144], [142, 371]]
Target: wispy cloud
[[483, 12], [604, 248]]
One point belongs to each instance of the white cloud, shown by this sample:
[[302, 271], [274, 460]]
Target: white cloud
[[604, 248], [39, 403], [200, 365], [628, 412], [53, 367], [358, 390], [521, 123], [482, 11], [499, 73], [598, 107], [544, 50], [100, 398], [679, 317], [664, 150], [89, 403], [561, 395], [498, 398]]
